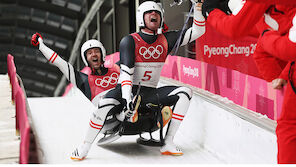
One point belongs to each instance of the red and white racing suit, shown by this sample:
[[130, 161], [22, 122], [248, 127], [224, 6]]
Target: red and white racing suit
[[142, 57], [93, 86]]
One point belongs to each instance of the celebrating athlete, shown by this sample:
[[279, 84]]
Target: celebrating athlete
[[142, 56], [93, 54]]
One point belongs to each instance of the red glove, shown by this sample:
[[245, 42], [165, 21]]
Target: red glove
[[34, 40], [165, 28]]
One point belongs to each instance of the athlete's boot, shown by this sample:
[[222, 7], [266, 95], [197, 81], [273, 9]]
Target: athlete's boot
[[80, 152], [170, 148]]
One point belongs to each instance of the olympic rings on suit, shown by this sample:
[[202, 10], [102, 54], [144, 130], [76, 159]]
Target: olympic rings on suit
[[154, 52], [107, 80]]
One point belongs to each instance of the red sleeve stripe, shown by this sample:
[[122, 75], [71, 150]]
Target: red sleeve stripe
[[94, 127], [199, 23], [126, 82], [91, 122], [178, 115], [177, 118], [53, 57]]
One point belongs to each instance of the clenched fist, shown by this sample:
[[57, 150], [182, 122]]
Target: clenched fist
[[34, 39]]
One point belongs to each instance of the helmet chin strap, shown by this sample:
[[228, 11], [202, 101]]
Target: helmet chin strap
[[155, 32], [159, 30]]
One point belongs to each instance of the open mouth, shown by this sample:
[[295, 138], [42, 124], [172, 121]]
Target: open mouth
[[153, 20], [95, 60]]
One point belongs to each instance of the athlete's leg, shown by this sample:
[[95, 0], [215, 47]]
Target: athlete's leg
[[107, 104], [179, 99]]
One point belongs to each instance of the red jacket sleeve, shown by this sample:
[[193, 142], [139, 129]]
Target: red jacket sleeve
[[285, 73], [268, 66], [278, 45], [284, 2], [236, 26]]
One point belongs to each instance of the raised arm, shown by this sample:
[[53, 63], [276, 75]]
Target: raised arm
[[194, 32], [198, 27], [53, 58], [239, 25]]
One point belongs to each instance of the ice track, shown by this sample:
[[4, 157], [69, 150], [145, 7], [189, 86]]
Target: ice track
[[208, 135]]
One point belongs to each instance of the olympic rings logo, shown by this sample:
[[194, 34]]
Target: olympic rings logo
[[151, 52], [106, 81]]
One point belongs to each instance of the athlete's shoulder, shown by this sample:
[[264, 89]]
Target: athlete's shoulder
[[127, 39], [126, 42], [81, 74], [115, 68]]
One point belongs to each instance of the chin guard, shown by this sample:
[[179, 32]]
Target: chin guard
[[159, 31]]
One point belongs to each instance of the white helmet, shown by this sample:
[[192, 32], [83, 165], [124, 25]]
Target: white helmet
[[145, 7], [92, 43]]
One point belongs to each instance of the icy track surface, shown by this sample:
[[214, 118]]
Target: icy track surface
[[61, 125], [208, 134]]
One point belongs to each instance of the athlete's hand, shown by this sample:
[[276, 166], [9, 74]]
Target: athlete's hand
[[34, 39], [278, 83], [131, 114], [208, 6], [198, 6]]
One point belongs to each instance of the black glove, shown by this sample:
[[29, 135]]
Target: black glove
[[127, 105], [223, 5], [131, 115], [208, 6], [264, 32]]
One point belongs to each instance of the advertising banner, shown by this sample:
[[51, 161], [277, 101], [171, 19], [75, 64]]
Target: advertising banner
[[216, 49], [245, 90]]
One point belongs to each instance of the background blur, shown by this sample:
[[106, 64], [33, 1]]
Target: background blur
[[65, 25]]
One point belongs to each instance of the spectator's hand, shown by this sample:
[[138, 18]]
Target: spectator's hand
[[278, 83], [208, 6], [34, 39]]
